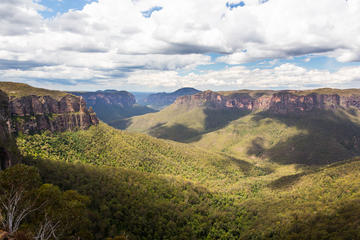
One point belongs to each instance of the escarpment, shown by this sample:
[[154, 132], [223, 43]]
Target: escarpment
[[7, 156], [31, 114], [30, 110], [281, 102]]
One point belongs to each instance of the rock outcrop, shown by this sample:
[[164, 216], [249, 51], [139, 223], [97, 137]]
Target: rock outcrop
[[6, 142], [22, 111], [32, 114], [281, 102]]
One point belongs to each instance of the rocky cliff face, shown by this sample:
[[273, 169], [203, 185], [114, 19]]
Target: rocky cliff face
[[110, 97], [31, 114], [281, 102], [28, 110], [7, 143]]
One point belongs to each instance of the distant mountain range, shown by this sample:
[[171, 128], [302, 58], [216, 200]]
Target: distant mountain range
[[160, 100]]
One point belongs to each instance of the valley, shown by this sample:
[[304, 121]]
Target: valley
[[211, 165]]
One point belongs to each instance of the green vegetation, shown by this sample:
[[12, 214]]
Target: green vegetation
[[292, 202], [320, 203], [341, 92], [313, 138], [145, 206], [29, 208], [21, 90], [104, 146], [241, 175], [180, 123]]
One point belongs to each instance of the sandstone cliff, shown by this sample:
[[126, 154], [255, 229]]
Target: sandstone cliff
[[27, 110], [281, 102], [31, 114], [6, 142]]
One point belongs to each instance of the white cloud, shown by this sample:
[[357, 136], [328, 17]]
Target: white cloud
[[286, 76], [112, 38]]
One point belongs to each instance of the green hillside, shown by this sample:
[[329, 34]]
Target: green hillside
[[180, 123], [140, 187], [104, 146], [314, 138], [318, 203]]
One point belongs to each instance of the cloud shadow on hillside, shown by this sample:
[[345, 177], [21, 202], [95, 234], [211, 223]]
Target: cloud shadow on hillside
[[214, 120], [177, 132], [331, 137]]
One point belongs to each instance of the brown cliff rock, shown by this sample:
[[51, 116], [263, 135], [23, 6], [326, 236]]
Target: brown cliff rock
[[281, 102], [31, 114]]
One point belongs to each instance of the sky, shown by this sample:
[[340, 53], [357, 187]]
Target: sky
[[163, 45]]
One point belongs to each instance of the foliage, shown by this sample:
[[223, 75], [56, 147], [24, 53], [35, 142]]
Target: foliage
[[313, 138], [318, 204], [145, 206], [26, 205], [104, 146]]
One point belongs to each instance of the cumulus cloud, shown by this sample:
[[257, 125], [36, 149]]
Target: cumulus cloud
[[285, 76], [20, 17], [114, 42]]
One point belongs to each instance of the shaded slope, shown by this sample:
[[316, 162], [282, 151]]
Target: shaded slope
[[182, 124], [317, 204], [320, 204], [320, 137], [139, 205]]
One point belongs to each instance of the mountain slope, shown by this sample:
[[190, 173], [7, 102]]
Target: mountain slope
[[308, 127], [320, 203]]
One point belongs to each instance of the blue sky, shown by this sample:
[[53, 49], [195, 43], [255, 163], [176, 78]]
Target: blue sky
[[62, 6], [161, 45]]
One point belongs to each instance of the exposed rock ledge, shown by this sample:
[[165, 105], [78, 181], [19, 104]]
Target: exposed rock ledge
[[281, 102], [31, 114]]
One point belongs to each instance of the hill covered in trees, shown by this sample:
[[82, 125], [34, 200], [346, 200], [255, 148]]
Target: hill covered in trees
[[285, 171]]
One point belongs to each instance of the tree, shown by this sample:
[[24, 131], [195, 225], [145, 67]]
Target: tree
[[47, 229], [16, 203]]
